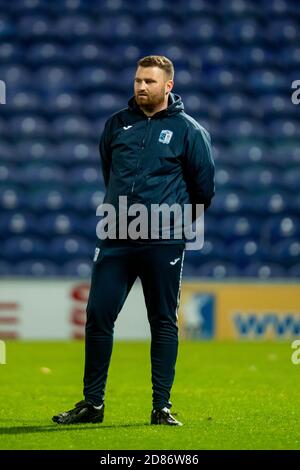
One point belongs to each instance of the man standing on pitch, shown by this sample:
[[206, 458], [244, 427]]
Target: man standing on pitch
[[152, 152]]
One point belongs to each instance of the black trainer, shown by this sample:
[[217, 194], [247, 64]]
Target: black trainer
[[84, 412], [164, 416]]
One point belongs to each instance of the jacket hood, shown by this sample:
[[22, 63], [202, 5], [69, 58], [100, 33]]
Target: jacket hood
[[175, 105]]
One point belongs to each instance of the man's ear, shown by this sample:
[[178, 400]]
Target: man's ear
[[171, 84]]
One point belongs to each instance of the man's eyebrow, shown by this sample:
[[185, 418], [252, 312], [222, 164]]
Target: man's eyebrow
[[146, 79]]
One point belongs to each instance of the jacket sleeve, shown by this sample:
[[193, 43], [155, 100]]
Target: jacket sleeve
[[199, 168], [105, 151]]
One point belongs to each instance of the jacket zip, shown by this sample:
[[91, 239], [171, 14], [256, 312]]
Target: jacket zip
[[142, 148]]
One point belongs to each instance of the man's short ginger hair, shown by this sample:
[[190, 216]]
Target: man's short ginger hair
[[158, 61]]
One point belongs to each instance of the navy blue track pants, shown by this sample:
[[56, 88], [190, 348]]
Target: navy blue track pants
[[159, 267]]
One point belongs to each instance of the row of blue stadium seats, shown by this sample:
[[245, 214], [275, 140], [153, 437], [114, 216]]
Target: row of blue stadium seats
[[277, 155], [213, 269], [234, 7], [263, 237], [77, 126], [226, 228], [202, 28], [257, 270], [250, 179], [229, 227], [238, 202], [84, 200], [224, 105], [71, 152], [49, 79], [243, 251], [240, 253], [87, 199], [35, 173], [238, 8], [84, 53]]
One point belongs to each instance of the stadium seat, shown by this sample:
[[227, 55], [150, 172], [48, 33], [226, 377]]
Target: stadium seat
[[46, 52], [66, 248], [201, 30], [159, 30], [35, 26], [243, 31], [12, 198], [81, 268], [102, 104], [17, 223], [259, 270], [264, 81], [76, 152], [71, 126], [76, 26], [10, 52], [64, 102], [8, 173], [231, 202], [236, 105], [87, 53], [53, 79], [253, 56], [32, 150], [19, 248], [23, 101], [244, 251], [60, 224], [41, 174], [87, 200], [274, 202], [282, 31], [287, 252], [30, 126], [218, 270], [261, 179], [239, 227], [213, 248], [36, 268], [46, 200], [281, 227]]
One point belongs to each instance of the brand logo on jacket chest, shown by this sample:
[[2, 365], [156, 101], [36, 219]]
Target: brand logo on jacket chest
[[165, 136]]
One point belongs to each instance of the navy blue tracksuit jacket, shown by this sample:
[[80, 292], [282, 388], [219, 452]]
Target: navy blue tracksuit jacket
[[163, 159]]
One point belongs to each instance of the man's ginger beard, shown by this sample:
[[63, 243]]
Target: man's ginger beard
[[151, 102]]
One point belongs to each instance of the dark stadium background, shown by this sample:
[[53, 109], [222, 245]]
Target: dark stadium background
[[69, 64]]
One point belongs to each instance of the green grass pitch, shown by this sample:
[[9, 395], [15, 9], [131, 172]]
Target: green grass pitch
[[229, 395]]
